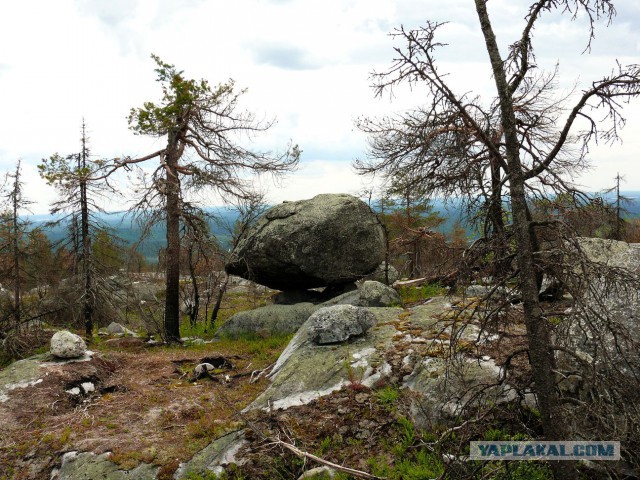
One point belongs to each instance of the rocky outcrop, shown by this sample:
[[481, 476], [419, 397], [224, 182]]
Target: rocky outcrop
[[339, 323], [410, 350], [65, 344], [327, 240], [306, 371], [604, 328], [286, 317], [21, 374], [214, 457], [447, 386], [87, 465], [271, 320]]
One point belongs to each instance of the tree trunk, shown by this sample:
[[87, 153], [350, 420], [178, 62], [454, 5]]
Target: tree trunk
[[86, 246], [216, 308], [495, 229], [16, 249], [193, 313], [540, 356], [172, 299]]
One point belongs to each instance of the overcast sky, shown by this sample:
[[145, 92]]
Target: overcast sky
[[305, 62]]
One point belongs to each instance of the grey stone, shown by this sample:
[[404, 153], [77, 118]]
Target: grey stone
[[213, 457], [441, 385], [114, 328], [348, 298], [604, 327], [620, 304], [484, 290], [65, 344], [376, 294], [268, 320], [477, 290], [612, 253], [318, 473], [446, 386], [380, 275], [327, 240], [87, 465], [306, 371], [339, 323], [20, 374]]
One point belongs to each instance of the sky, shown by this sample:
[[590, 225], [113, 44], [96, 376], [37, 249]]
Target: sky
[[306, 63]]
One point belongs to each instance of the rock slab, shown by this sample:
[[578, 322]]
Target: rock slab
[[271, 320], [87, 465], [339, 323], [330, 239], [65, 344]]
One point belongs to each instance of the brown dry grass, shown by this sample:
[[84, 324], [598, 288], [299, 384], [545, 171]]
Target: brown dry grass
[[147, 410]]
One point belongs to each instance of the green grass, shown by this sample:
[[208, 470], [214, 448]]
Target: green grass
[[412, 294], [388, 395], [419, 464], [516, 470]]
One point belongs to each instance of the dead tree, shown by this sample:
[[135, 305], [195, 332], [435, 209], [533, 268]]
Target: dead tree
[[78, 202], [521, 143], [203, 127]]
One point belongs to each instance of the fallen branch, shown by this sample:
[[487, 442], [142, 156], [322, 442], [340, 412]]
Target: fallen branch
[[446, 280], [310, 456], [405, 283], [260, 373]]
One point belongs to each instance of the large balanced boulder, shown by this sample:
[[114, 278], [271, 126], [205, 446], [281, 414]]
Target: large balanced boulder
[[330, 239], [65, 344]]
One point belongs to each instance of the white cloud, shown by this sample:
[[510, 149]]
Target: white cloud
[[305, 61]]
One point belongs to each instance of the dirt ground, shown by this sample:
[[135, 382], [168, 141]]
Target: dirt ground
[[144, 409]]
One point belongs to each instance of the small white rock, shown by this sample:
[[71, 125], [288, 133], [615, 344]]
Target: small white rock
[[315, 472], [88, 387], [202, 368]]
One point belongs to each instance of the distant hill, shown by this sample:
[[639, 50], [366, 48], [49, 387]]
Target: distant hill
[[124, 227], [129, 230]]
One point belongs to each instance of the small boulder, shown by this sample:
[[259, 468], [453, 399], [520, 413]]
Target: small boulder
[[339, 323], [65, 344], [376, 294], [383, 272], [115, 328]]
